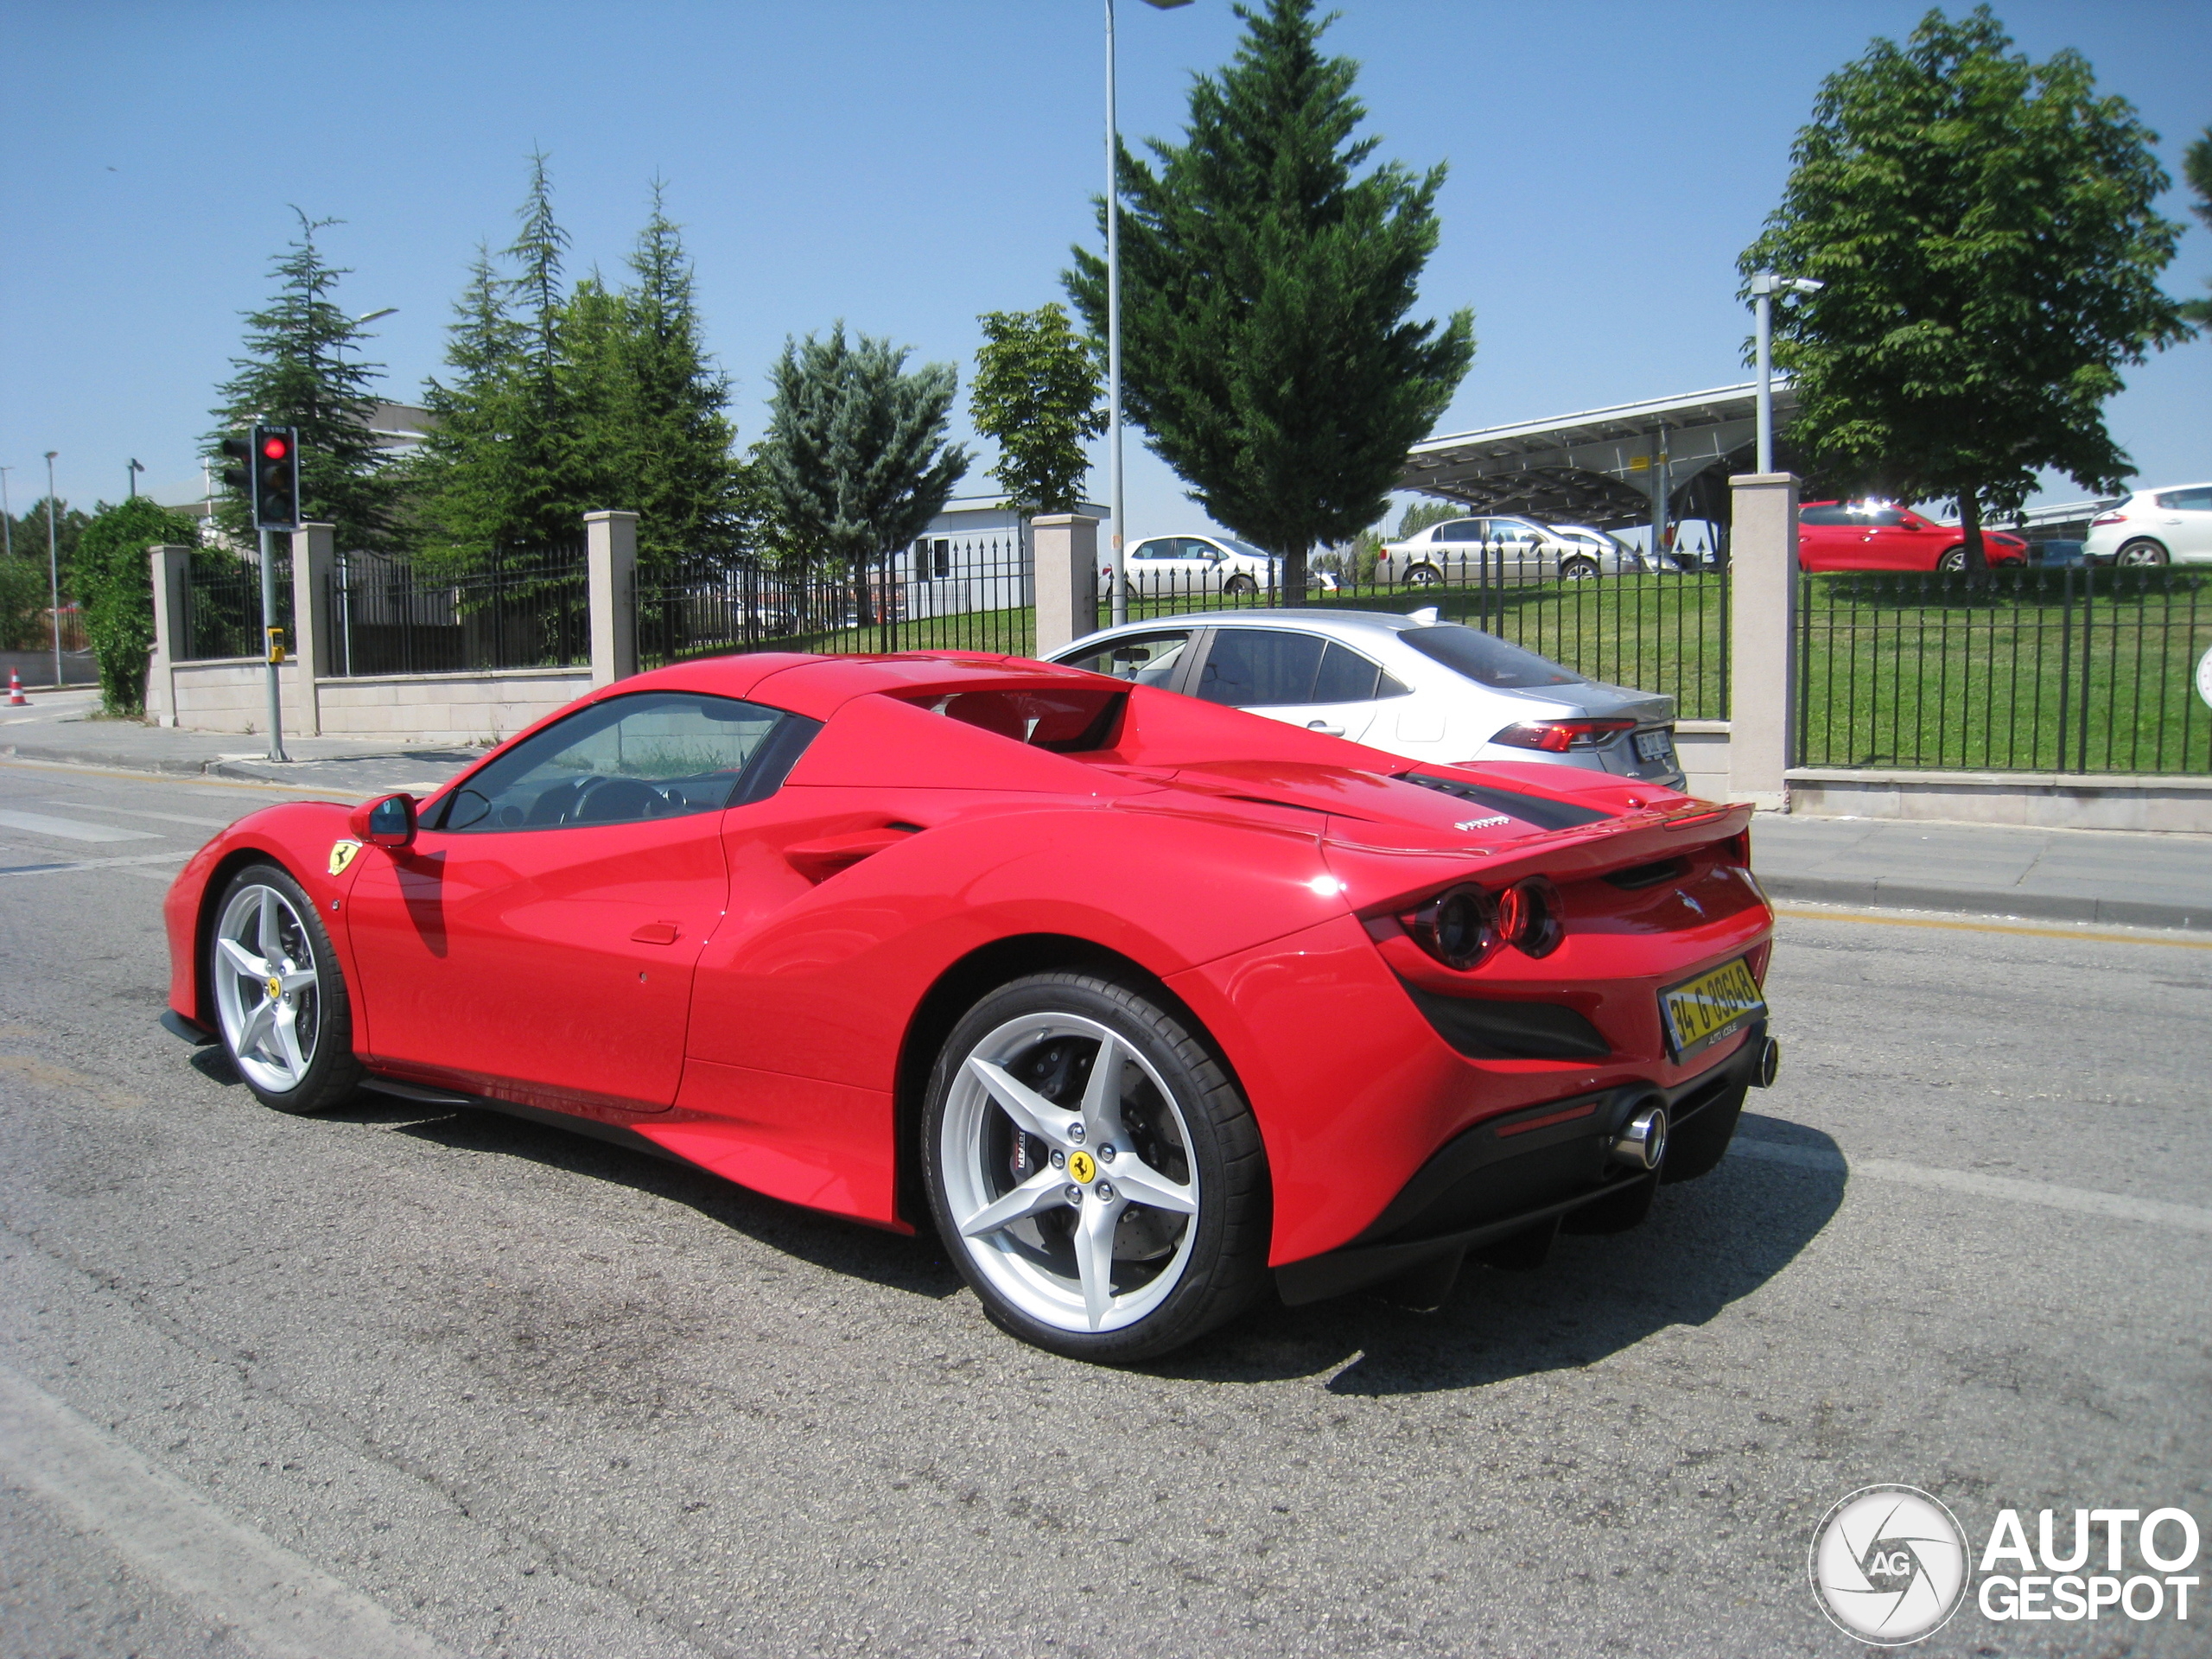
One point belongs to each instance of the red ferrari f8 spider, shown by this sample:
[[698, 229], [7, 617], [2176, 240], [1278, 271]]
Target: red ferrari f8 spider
[[1136, 1000]]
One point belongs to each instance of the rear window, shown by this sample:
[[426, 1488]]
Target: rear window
[[1485, 658], [1066, 722]]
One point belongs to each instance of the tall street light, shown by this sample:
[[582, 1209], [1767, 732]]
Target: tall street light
[[135, 470], [1114, 319], [1764, 286], [53, 567], [7, 517]]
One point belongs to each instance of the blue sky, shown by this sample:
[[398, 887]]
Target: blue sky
[[905, 167]]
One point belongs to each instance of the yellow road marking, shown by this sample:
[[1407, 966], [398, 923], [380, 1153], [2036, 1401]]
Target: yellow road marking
[[1989, 927]]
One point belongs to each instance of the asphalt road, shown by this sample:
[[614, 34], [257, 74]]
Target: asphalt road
[[403, 1381]]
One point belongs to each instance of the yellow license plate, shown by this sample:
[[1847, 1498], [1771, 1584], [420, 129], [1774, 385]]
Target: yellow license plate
[[1700, 1012]]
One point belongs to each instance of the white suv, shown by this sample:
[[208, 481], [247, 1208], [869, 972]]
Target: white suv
[[2173, 527], [1462, 550]]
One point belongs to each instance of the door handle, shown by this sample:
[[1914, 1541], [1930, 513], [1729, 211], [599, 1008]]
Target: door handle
[[818, 860], [657, 933], [1324, 729]]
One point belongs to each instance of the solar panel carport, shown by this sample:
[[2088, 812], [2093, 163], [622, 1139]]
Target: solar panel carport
[[1656, 462]]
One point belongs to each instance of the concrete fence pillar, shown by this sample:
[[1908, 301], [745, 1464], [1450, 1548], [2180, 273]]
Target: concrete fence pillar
[[1762, 638], [1064, 546], [611, 553], [169, 569], [315, 642]]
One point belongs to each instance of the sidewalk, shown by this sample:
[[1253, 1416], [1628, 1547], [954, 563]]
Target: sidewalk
[[2114, 876]]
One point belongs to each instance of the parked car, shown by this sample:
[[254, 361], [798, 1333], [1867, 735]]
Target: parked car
[[1434, 691], [1170, 566], [1882, 536], [2169, 526], [1134, 1001], [2056, 552], [1461, 550]]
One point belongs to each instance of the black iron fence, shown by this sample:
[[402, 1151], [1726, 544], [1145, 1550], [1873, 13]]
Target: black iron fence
[[1661, 631], [527, 609], [220, 608], [2071, 670]]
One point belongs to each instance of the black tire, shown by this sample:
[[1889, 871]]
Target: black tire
[[1424, 575], [1951, 561], [1580, 570], [331, 1073], [1225, 1265], [1696, 1147], [1240, 587], [2140, 552]]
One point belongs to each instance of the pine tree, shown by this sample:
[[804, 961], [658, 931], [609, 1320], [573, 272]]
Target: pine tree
[[2196, 167], [1037, 394], [461, 471], [1984, 228], [298, 372], [855, 452], [1265, 287], [543, 505], [675, 440]]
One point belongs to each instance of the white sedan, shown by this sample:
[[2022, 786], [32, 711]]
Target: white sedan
[[1465, 551], [1430, 690], [1168, 567]]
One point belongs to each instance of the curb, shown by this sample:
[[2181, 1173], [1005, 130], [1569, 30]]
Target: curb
[[1882, 894]]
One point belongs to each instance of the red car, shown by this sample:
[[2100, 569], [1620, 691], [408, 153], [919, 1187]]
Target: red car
[[1135, 998], [1876, 535]]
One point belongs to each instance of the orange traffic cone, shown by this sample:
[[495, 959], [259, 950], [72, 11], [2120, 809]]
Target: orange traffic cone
[[16, 697]]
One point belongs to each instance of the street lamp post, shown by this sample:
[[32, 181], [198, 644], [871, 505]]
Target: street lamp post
[[133, 477], [1764, 286], [1114, 321], [7, 517], [53, 567]]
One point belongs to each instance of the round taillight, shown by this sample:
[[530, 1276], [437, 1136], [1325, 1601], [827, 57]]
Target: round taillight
[[1527, 917], [1458, 927]]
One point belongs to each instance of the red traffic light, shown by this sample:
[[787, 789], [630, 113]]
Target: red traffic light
[[276, 447]]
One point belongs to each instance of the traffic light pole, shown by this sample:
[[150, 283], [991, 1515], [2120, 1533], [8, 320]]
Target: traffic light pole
[[269, 645]]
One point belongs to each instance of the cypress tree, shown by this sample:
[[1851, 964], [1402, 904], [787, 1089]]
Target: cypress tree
[[461, 470], [1268, 353], [298, 372]]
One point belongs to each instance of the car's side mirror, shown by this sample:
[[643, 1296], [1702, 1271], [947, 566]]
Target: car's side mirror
[[387, 822]]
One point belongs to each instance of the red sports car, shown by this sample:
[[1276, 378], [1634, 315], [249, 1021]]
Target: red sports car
[[1877, 536], [1136, 1000]]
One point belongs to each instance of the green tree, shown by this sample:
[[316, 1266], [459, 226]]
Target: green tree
[[1265, 287], [1420, 515], [460, 473], [544, 463], [25, 591], [1984, 226], [298, 372], [110, 574], [2196, 169], [1036, 394], [856, 454]]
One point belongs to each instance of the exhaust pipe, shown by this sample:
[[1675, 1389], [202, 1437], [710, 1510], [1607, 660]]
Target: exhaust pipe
[[1770, 1062], [1643, 1144]]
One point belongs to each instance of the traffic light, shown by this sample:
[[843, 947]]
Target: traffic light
[[240, 477], [275, 477]]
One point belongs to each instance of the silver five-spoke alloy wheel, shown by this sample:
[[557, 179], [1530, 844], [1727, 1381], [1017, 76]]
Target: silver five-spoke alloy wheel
[[267, 989], [1068, 1172]]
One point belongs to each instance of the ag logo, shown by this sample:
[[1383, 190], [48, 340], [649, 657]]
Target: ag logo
[[1889, 1565]]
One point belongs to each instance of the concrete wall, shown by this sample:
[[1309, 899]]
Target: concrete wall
[[2042, 800], [230, 694], [446, 707]]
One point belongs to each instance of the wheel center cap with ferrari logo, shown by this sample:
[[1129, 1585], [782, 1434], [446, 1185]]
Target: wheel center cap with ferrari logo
[[1081, 1167], [275, 987]]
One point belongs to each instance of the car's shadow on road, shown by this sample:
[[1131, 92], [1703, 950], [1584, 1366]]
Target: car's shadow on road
[[1708, 1242], [892, 1259]]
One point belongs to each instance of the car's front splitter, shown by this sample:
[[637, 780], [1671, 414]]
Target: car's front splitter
[[1514, 1173]]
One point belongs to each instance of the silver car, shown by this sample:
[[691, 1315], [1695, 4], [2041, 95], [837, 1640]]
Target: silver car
[[1428, 690]]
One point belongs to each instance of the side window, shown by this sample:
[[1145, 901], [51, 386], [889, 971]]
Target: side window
[[1144, 659], [1160, 550], [2187, 500], [1821, 518], [1261, 668], [1189, 547], [1345, 676], [1460, 530], [658, 754], [1884, 517]]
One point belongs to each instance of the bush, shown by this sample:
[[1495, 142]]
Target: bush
[[110, 576]]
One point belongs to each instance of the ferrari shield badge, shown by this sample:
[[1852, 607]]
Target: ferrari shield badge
[[342, 855]]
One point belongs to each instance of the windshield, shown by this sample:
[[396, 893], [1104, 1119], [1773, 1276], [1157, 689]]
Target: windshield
[[1485, 658], [1245, 547]]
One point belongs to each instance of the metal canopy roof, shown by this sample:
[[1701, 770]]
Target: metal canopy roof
[[1598, 467]]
